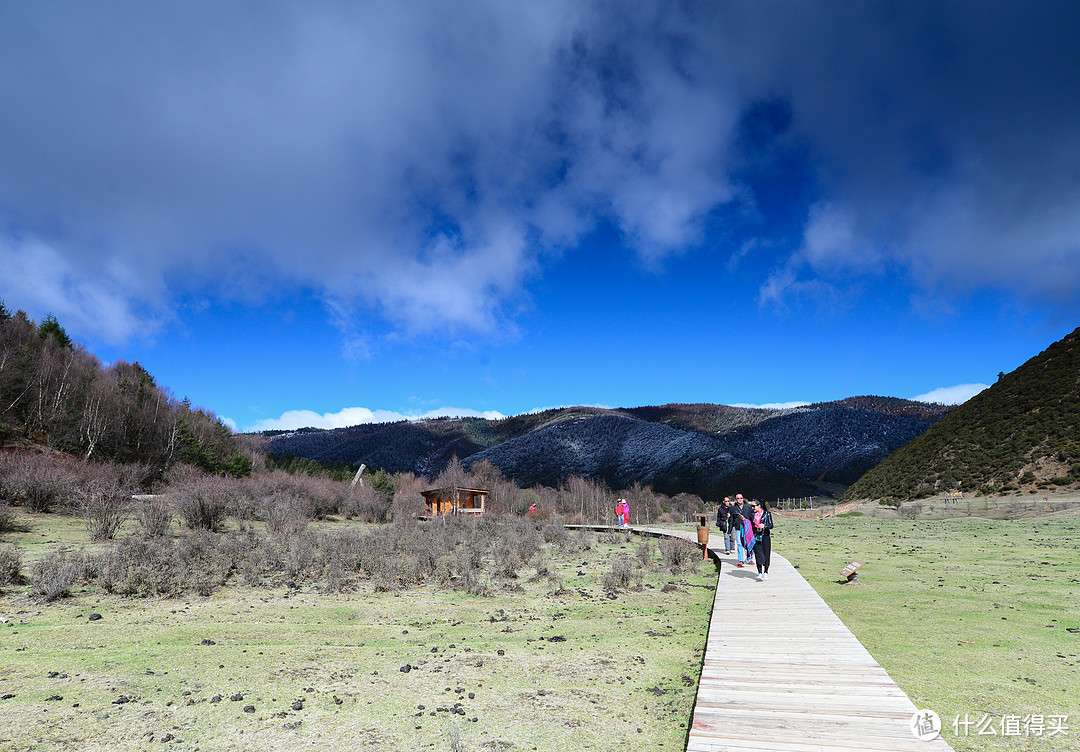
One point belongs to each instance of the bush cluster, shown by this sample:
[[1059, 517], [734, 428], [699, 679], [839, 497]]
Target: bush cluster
[[456, 552]]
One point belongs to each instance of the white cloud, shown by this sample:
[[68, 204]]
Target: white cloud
[[771, 405], [951, 395], [420, 162], [38, 277], [405, 161], [352, 416]]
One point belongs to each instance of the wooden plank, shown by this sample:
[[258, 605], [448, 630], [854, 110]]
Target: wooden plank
[[782, 672]]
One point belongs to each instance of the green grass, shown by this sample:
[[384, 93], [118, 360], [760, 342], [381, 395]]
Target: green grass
[[967, 616], [623, 676]]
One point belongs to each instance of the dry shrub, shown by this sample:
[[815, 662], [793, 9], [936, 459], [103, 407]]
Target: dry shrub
[[675, 553], [53, 576], [643, 553], [623, 575], [207, 560], [300, 556], [155, 516], [321, 496], [367, 505], [7, 518], [201, 561], [584, 540], [105, 499], [37, 481], [286, 515], [554, 531], [141, 567], [202, 502], [507, 561], [10, 565], [408, 505]]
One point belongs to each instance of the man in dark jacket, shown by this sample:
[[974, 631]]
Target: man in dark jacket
[[726, 524]]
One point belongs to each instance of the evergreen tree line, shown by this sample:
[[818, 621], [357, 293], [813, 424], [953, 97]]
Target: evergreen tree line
[[56, 393]]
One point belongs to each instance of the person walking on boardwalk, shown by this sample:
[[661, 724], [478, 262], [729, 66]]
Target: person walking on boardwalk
[[743, 515], [762, 522], [721, 518], [725, 520]]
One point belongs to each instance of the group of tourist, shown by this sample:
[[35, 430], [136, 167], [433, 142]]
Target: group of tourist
[[747, 528]]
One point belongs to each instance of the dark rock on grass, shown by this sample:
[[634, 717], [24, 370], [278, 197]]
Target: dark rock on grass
[[53, 698], [168, 738], [215, 698], [121, 700], [556, 638], [207, 641], [406, 668], [249, 708], [93, 617], [292, 726], [6, 697], [298, 705], [237, 697]]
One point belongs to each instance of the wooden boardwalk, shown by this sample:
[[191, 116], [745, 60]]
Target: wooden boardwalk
[[783, 674]]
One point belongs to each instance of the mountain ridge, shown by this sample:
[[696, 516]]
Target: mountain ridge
[[699, 448]]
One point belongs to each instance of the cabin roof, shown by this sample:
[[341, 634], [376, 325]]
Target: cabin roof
[[446, 491]]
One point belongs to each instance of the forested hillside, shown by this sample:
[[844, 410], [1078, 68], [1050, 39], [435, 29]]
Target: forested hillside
[[1021, 434], [830, 444], [701, 449], [54, 393]]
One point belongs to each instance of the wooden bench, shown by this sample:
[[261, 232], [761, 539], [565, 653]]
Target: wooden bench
[[851, 571]]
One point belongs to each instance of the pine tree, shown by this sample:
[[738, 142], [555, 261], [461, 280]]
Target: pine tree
[[51, 327]]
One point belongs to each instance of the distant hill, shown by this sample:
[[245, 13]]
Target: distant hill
[[1021, 434], [622, 451], [705, 449]]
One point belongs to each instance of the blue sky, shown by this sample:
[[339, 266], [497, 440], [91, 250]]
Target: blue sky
[[325, 213]]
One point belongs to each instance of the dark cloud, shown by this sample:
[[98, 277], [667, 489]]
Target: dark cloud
[[420, 161]]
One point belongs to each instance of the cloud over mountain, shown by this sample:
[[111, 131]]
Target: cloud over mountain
[[416, 165]]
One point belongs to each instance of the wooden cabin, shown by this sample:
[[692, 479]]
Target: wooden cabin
[[442, 501]]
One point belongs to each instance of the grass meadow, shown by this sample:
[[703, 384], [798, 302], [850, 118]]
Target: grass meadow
[[976, 619], [552, 659], [973, 618]]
